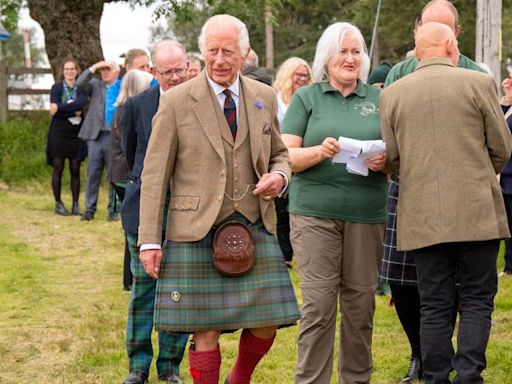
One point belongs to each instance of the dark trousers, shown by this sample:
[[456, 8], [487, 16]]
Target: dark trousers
[[508, 242], [127, 273], [473, 266], [283, 227]]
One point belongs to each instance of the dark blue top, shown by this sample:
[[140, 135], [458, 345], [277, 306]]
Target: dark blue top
[[506, 174]]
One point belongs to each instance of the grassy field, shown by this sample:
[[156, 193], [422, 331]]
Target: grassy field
[[63, 310]]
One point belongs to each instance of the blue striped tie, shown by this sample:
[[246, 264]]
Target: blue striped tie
[[230, 112]]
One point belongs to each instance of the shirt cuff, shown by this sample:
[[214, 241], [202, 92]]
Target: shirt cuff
[[145, 247], [505, 101], [285, 186]]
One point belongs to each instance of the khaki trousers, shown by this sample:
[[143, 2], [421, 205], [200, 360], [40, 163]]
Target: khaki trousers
[[337, 260]]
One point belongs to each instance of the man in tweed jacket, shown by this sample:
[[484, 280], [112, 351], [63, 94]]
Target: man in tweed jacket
[[219, 171], [436, 145]]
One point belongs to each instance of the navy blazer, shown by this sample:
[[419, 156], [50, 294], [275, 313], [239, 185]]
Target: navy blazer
[[506, 174], [136, 118]]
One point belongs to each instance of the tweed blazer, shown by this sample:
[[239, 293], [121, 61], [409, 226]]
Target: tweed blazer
[[447, 139], [94, 120], [138, 113], [186, 149]]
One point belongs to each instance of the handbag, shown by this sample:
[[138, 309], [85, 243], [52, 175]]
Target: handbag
[[233, 249]]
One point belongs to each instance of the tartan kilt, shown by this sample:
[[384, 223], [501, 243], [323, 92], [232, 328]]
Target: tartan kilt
[[397, 267], [191, 296]]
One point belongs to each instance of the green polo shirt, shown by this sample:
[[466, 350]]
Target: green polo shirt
[[327, 190], [409, 65]]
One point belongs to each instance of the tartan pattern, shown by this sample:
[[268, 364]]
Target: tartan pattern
[[210, 301], [140, 324], [230, 112], [397, 267]]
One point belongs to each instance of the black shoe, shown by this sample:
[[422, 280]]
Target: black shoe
[[88, 216], [60, 209], [127, 288], [75, 210], [170, 378], [113, 216], [415, 371], [136, 377], [289, 264]]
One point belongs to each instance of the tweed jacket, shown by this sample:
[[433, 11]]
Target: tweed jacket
[[447, 139], [94, 120], [186, 149], [136, 118]]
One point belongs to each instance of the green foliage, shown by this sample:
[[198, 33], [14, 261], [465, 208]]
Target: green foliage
[[22, 149], [9, 13]]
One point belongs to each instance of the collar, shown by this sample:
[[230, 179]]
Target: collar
[[434, 61], [359, 91], [218, 89]]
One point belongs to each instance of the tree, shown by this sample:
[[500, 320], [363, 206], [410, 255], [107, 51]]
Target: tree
[[71, 29]]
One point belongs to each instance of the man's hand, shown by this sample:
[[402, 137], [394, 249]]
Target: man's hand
[[270, 185], [377, 162], [151, 259], [100, 65]]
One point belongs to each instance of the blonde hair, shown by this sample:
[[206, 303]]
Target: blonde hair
[[284, 77], [330, 44], [134, 82]]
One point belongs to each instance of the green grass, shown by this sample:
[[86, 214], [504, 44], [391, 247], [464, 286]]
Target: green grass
[[63, 311]]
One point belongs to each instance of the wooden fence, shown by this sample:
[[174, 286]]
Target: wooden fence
[[5, 90]]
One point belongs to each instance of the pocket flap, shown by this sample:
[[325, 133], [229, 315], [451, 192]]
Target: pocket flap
[[184, 203]]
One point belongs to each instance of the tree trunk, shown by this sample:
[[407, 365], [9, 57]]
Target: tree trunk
[[71, 29]]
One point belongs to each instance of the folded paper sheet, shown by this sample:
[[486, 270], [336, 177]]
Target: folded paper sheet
[[354, 153]]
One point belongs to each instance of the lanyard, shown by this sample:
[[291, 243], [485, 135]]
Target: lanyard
[[70, 92]]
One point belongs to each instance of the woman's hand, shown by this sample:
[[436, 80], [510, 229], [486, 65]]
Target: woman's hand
[[507, 88], [377, 162], [328, 148], [53, 109]]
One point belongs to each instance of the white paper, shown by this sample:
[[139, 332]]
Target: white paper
[[75, 120], [355, 153]]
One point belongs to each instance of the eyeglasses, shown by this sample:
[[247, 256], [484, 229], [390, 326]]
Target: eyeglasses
[[302, 75], [177, 71]]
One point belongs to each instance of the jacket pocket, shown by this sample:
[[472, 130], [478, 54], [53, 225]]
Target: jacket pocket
[[184, 203]]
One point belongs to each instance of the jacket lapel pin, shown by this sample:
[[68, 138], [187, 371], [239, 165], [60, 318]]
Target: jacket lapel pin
[[267, 130], [258, 104]]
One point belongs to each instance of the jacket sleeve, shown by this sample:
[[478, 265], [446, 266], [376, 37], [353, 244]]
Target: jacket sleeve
[[497, 133], [129, 133], [388, 135]]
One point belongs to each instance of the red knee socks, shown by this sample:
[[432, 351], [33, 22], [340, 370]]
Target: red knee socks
[[204, 366], [250, 351]]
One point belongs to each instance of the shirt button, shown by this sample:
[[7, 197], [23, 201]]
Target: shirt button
[[237, 190], [222, 173], [219, 198], [237, 205], [236, 165], [237, 178]]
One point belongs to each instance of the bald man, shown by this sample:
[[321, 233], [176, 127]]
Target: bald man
[[398, 268], [447, 139]]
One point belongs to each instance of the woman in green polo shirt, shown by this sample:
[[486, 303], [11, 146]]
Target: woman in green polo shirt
[[337, 218]]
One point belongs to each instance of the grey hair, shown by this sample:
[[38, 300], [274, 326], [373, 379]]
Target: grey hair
[[114, 65], [221, 22], [166, 44], [134, 82], [330, 44]]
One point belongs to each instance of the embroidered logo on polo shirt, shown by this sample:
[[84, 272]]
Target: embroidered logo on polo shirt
[[367, 108]]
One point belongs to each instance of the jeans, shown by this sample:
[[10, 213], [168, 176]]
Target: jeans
[[473, 266]]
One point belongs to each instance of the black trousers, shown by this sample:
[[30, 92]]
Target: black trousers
[[473, 266], [283, 227], [508, 242], [127, 273]]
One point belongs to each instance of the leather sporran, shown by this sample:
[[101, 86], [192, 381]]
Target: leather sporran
[[233, 249]]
